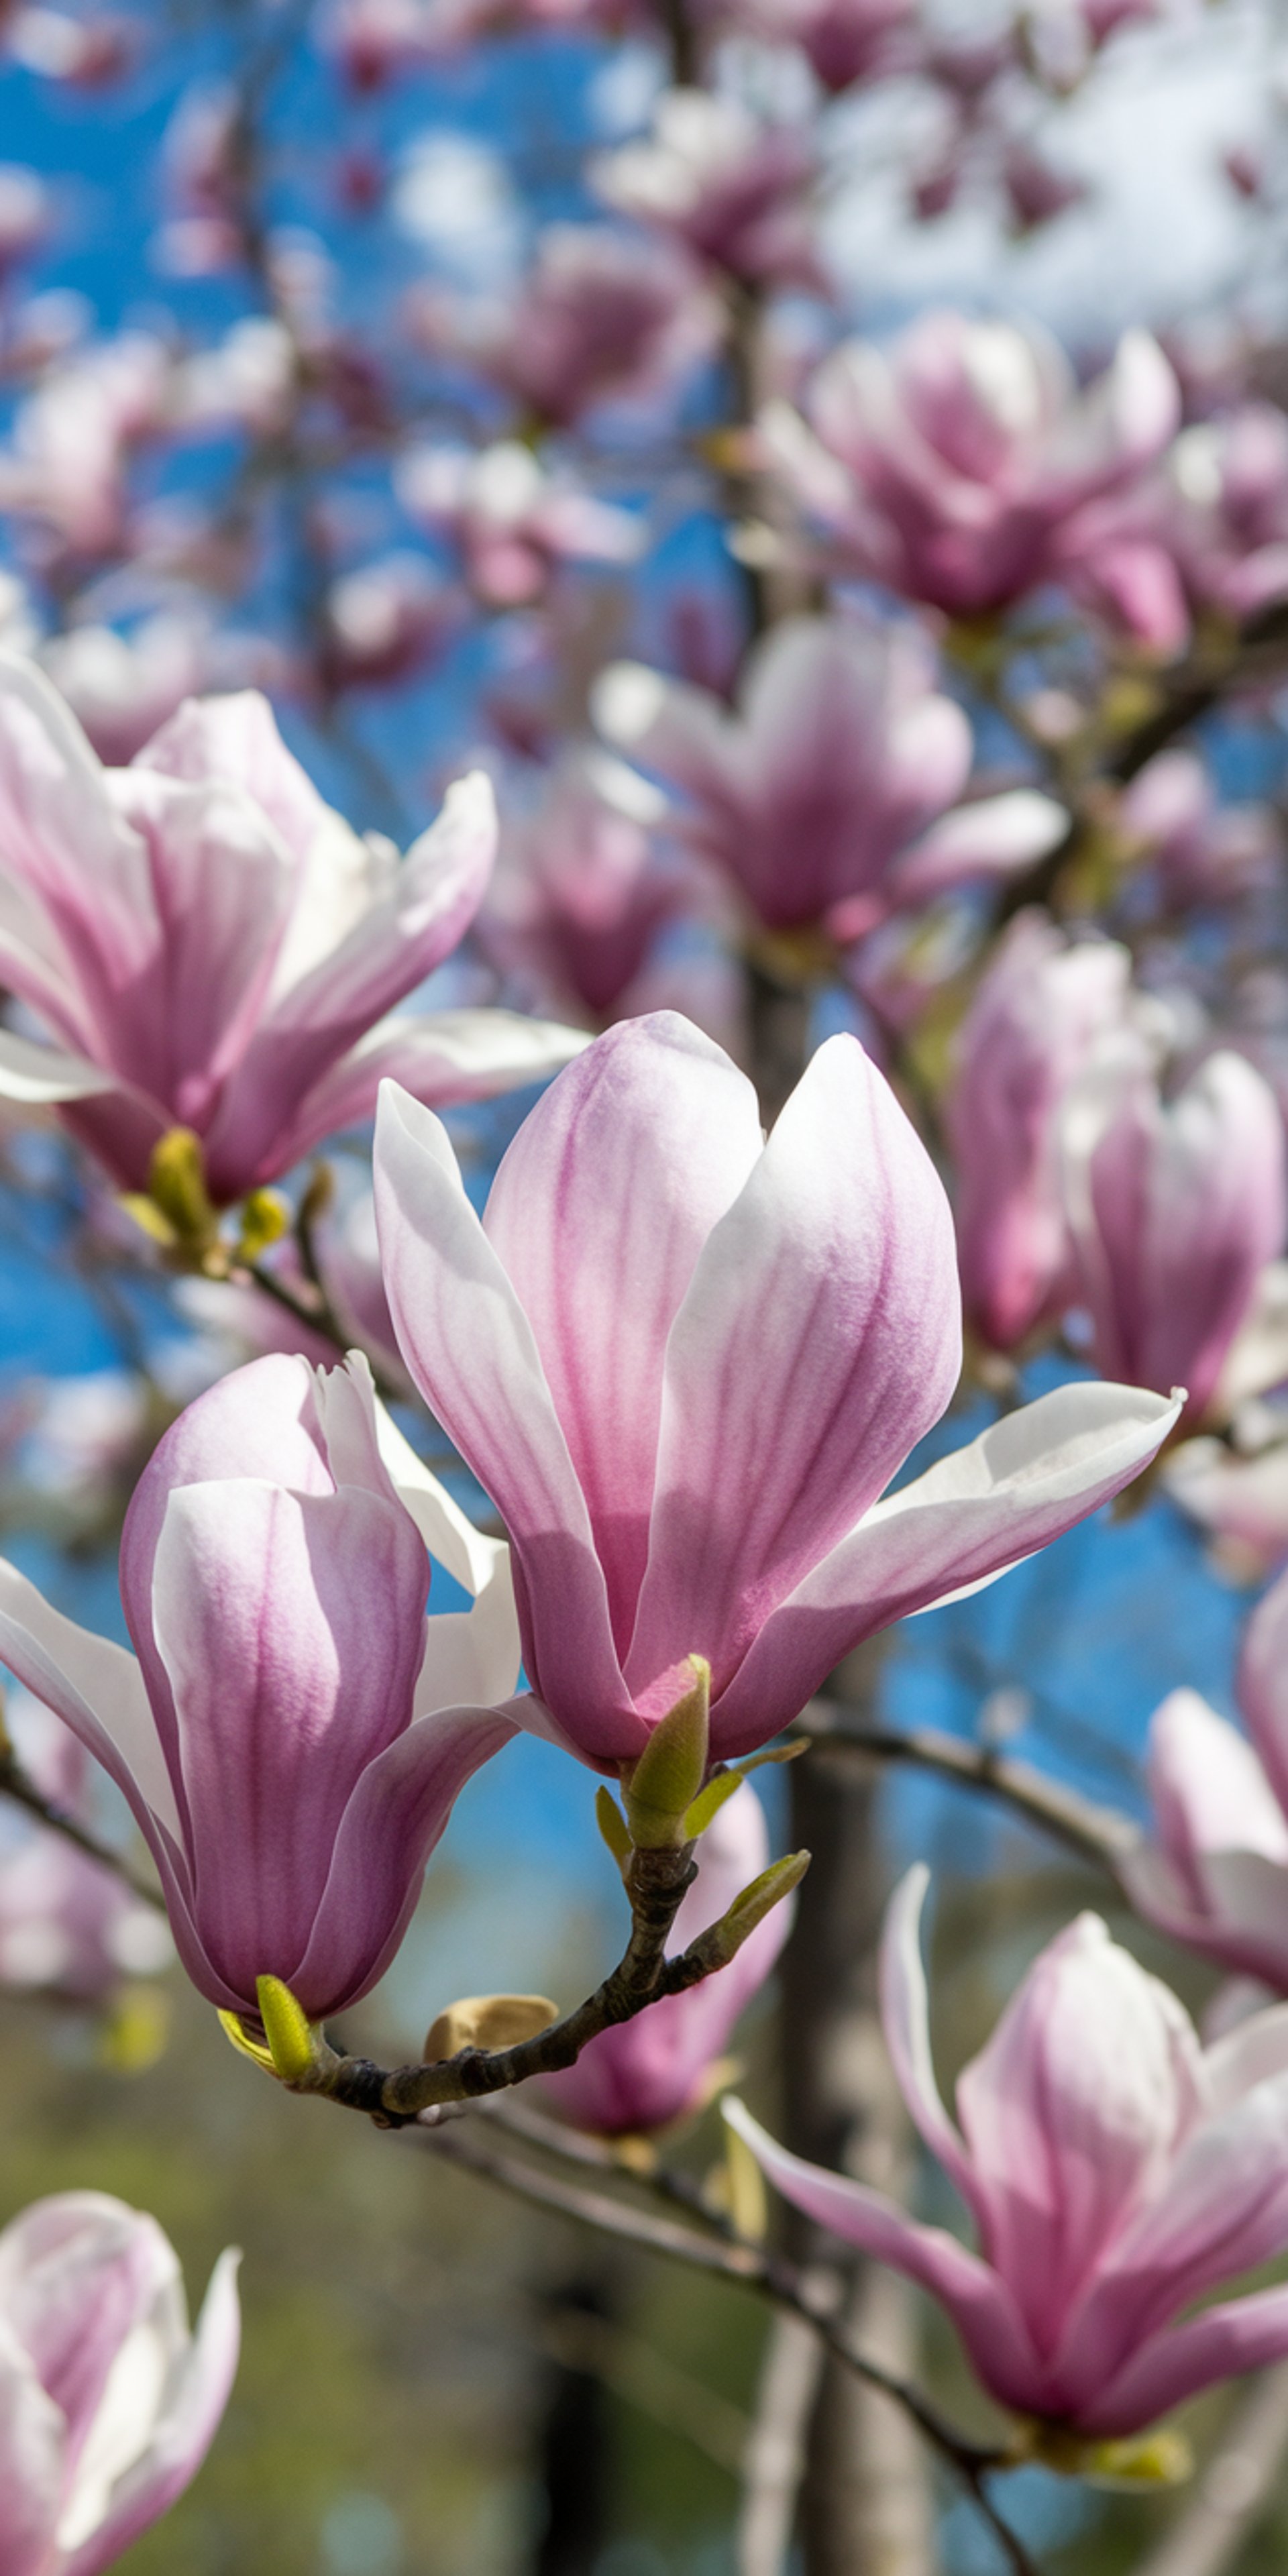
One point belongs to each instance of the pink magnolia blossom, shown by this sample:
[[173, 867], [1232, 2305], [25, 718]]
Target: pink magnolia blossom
[[108, 2404], [68, 1924], [1209, 530], [1203, 852], [662, 2066], [512, 520], [386, 619], [728, 185], [1175, 1207], [294, 1731], [1115, 2172], [1215, 1872], [823, 793], [600, 316], [122, 688], [1034, 1023], [685, 1364], [212, 947], [25, 213], [957, 466], [87, 52], [844, 40], [73, 438], [1240, 1501], [581, 891]]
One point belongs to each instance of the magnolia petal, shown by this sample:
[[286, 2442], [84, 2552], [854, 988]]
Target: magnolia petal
[[39, 1076], [1225, 2342], [443, 1060], [819, 1338], [397, 1813], [470, 1349], [969, 1519], [905, 2018], [977, 2301], [599, 1212], [191, 2416]]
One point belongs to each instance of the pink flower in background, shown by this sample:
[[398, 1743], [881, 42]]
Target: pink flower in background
[[1175, 1208], [294, 1732], [205, 170], [74, 435], [385, 620], [581, 891], [728, 185], [600, 316], [844, 40], [512, 520], [822, 794], [122, 688], [1115, 2172], [685, 1364], [955, 467], [1203, 852], [1215, 1873], [662, 2066], [1037, 1015], [212, 947], [108, 2404], [1240, 1501], [1209, 530], [68, 1925], [26, 213]]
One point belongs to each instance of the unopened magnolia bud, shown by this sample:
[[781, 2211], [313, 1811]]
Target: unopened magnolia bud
[[659, 1789], [612, 1825], [177, 1186], [291, 2041], [487, 2021], [265, 1218], [1159, 2458], [724, 1940]]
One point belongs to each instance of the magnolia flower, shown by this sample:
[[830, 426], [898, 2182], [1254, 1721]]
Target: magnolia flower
[[823, 793], [581, 891], [386, 619], [1174, 1208], [512, 521], [1202, 852], [1208, 530], [1036, 1017], [665, 2064], [1241, 1502], [599, 315], [26, 212], [73, 436], [108, 2404], [1215, 1874], [685, 1363], [956, 467], [122, 688], [295, 1730], [68, 1924], [213, 948], [1115, 2172], [730, 187], [844, 40]]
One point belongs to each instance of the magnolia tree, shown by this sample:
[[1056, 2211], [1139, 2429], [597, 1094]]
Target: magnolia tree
[[645, 981]]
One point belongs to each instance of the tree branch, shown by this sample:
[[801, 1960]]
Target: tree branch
[[1097, 1834], [15, 1784], [656, 1883]]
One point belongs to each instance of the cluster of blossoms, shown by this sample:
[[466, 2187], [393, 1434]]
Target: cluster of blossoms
[[907, 1006]]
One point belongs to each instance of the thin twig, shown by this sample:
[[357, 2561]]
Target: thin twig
[[464, 2143], [15, 1784], [1098, 1834]]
